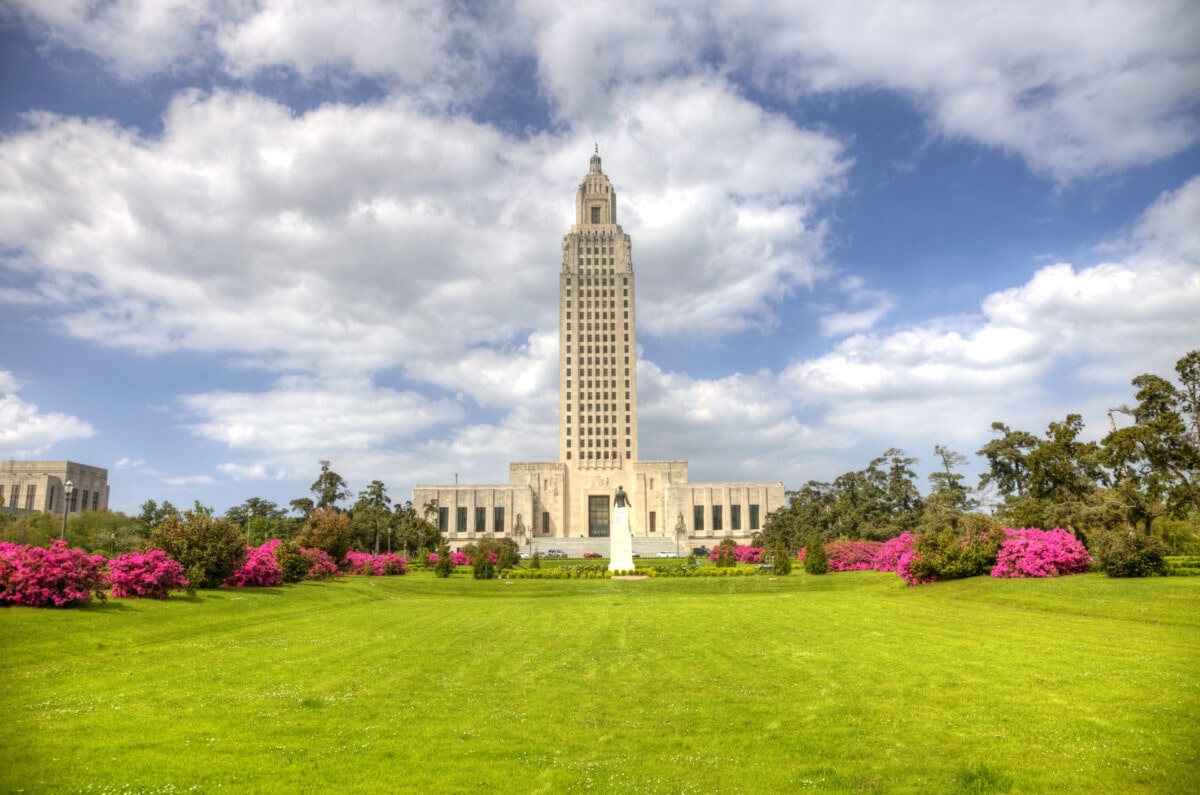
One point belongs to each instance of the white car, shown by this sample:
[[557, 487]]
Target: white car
[[666, 554]]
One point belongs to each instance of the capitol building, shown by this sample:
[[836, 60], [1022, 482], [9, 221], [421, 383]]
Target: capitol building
[[572, 498]]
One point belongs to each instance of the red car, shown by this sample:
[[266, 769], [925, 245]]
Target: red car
[[592, 555]]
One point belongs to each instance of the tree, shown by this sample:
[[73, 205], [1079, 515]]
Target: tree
[[209, 549], [1007, 460], [253, 508], [328, 529], [330, 488], [371, 513], [444, 567], [152, 516], [948, 499], [816, 560]]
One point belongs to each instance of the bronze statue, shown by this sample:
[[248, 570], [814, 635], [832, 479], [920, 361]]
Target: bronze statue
[[622, 499]]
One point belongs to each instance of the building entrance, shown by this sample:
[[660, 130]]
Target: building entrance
[[598, 516]]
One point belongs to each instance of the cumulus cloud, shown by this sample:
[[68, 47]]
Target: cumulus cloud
[[26, 431]]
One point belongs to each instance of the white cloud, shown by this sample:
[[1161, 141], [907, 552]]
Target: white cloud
[[189, 480], [866, 308], [27, 431]]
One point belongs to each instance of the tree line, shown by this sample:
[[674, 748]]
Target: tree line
[[1142, 478]]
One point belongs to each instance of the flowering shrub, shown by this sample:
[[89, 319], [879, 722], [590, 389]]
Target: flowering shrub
[[58, 576], [949, 556], [1030, 552], [153, 573], [727, 553], [852, 555], [261, 569], [360, 563], [460, 559], [321, 566], [292, 562], [887, 557]]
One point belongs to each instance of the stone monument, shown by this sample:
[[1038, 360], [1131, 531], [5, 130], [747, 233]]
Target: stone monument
[[620, 554]]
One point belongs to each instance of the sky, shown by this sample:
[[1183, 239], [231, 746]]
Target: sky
[[241, 237]]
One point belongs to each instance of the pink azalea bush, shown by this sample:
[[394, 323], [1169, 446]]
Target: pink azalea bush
[[741, 553], [852, 555], [261, 569], [58, 576], [382, 564], [321, 566], [152, 573], [906, 565], [887, 557], [460, 559], [1030, 552]]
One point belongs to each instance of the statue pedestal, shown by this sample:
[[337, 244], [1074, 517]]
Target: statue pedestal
[[620, 539]]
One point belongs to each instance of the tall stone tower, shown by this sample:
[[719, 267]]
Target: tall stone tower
[[597, 388]]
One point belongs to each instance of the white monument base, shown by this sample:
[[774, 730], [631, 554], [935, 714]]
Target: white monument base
[[620, 542]]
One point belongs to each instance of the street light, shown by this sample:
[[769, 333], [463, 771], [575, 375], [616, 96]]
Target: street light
[[66, 507], [390, 530]]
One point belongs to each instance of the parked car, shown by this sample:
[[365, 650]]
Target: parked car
[[592, 555], [665, 554], [701, 552], [554, 553]]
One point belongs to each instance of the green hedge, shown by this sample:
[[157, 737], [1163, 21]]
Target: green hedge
[[1183, 566]]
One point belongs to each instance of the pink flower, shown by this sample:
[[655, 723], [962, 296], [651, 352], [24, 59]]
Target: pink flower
[[1030, 552], [150, 573], [261, 569]]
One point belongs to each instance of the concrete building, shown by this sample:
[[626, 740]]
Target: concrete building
[[33, 486], [598, 421]]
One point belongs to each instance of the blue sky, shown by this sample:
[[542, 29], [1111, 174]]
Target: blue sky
[[238, 238]]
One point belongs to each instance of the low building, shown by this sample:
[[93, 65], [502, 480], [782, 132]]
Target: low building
[[40, 486]]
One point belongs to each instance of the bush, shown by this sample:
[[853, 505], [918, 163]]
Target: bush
[[1183, 566], [443, 566], [387, 564], [330, 530], [887, 557], [484, 568], [359, 563], [1130, 555], [292, 561], [261, 569], [1030, 552], [209, 548], [816, 561], [852, 555], [152, 573], [724, 554], [58, 576], [948, 556], [781, 561], [536, 561], [320, 565]]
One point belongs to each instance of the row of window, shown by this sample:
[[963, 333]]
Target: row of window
[[595, 385], [461, 527], [587, 455], [78, 496], [599, 280], [718, 518], [598, 316]]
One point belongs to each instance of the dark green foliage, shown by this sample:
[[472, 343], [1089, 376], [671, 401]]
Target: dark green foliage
[[816, 560], [726, 553], [950, 556], [482, 567], [328, 529], [536, 561], [508, 557], [209, 549], [444, 566], [1183, 566], [781, 561], [1124, 554], [292, 560], [505, 550]]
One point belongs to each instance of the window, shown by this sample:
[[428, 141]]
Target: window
[[653, 522], [95, 500], [49, 497], [443, 520], [460, 525], [698, 518], [545, 523], [84, 500], [753, 517], [595, 215], [735, 517], [498, 519], [718, 518], [30, 495], [480, 519], [13, 495]]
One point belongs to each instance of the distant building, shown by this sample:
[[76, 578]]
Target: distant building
[[36, 486], [598, 420]]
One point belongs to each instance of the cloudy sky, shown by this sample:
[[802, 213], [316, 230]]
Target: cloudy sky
[[241, 236]]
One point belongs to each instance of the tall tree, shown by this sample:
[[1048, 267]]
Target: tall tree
[[1008, 461], [329, 488], [371, 514]]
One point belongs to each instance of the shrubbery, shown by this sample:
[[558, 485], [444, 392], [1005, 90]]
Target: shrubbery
[[887, 557], [949, 556], [210, 549], [1130, 554], [443, 566], [152, 573], [852, 555], [320, 565], [292, 561], [1030, 552], [330, 530], [54, 577], [261, 569], [781, 561], [816, 561]]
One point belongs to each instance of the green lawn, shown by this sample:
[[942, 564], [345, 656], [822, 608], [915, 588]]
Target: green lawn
[[844, 682]]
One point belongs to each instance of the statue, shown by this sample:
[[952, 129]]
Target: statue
[[622, 499]]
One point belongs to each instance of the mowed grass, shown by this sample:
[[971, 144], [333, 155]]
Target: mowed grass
[[844, 682]]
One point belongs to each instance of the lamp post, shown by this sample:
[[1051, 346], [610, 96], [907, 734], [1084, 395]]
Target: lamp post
[[70, 487], [390, 531]]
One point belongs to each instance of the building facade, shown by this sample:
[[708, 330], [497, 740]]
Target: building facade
[[598, 420], [40, 486]]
